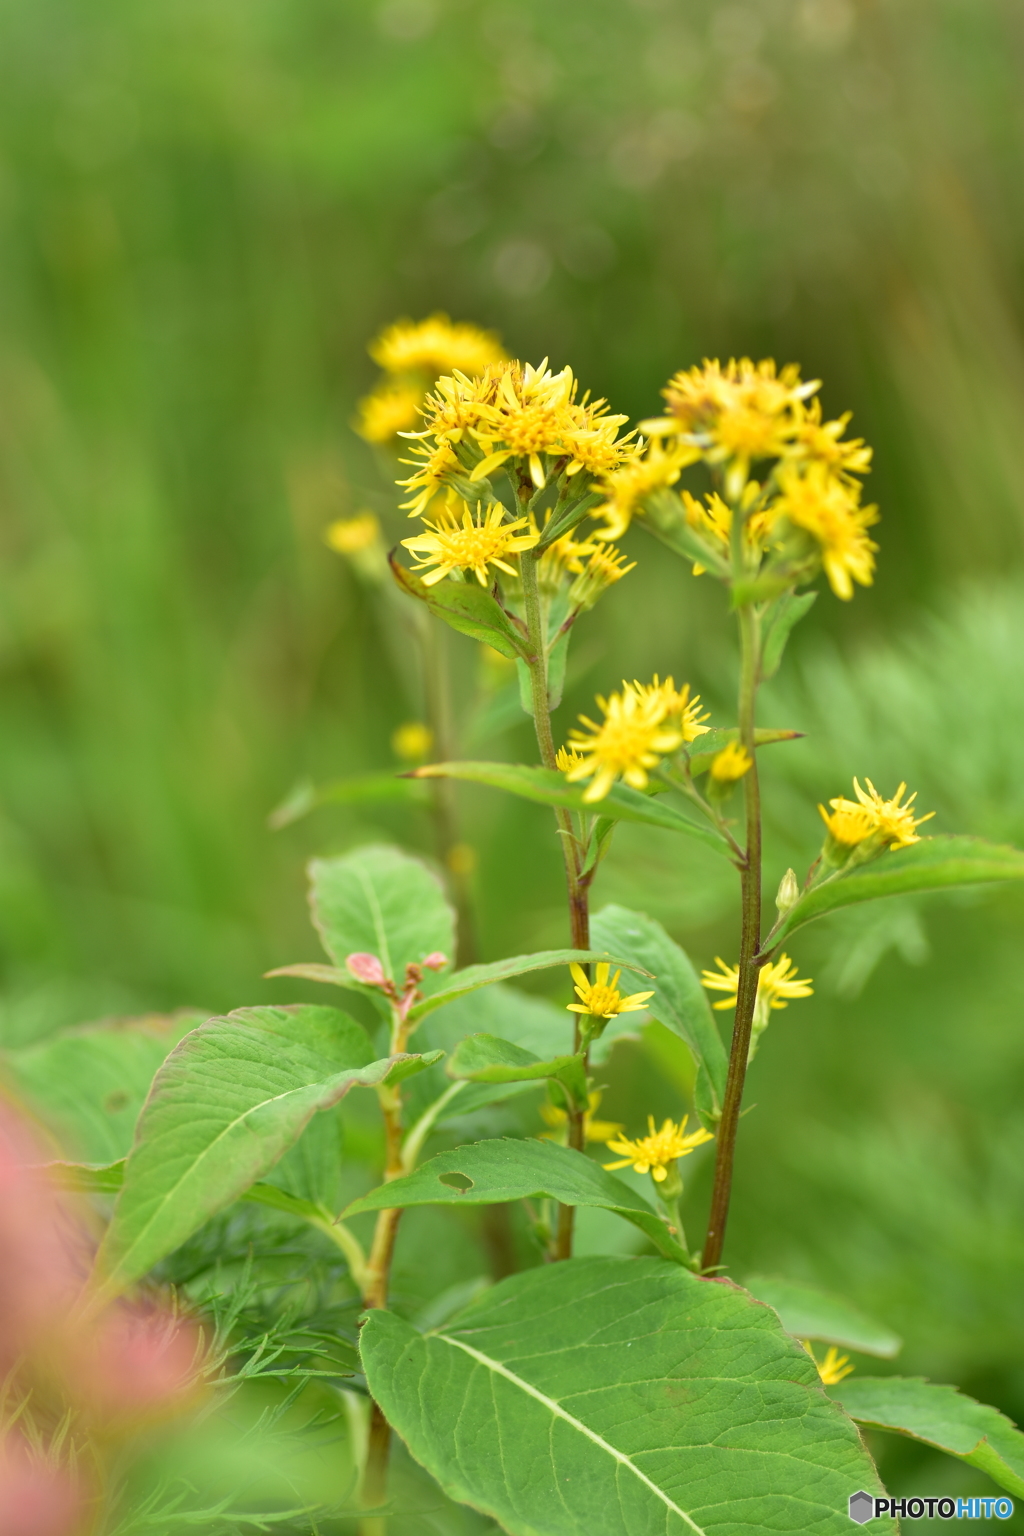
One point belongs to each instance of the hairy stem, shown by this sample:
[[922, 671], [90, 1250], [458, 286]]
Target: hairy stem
[[750, 941]]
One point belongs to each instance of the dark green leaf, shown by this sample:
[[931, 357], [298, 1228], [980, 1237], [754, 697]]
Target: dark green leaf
[[476, 976], [467, 607], [504, 1169], [621, 1397], [487, 1059], [933, 864], [549, 787], [785, 615], [939, 1416], [812, 1314]]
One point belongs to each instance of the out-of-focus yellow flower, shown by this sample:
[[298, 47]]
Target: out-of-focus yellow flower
[[892, 821], [605, 566], [601, 997], [387, 411], [731, 763], [673, 701], [432, 470], [351, 535], [639, 474], [434, 346], [593, 1129], [777, 985], [824, 441], [413, 742], [654, 1152], [567, 757], [713, 518], [827, 508], [744, 411], [833, 1368], [472, 545], [633, 736]]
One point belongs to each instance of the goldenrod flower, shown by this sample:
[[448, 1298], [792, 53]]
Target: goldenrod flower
[[432, 471], [605, 566], [731, 763], [637, 476], [351, 535], [894, 824], [777, 985], [653, 1153], [390, 409], [593, 1129], [713, 519], [824, 441], [601, 997], [632, 737], [672, 701], [412, 742], [568, 757], [744, 411], [816, 500], [473, 545], [434, 346], [833, 1368]]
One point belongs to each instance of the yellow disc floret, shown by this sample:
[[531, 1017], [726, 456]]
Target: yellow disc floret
[[655, 1152], [601, 997]]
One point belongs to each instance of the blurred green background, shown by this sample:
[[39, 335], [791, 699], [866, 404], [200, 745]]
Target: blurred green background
[[207, 207]]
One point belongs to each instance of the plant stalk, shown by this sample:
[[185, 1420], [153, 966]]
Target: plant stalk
[[750, 943]]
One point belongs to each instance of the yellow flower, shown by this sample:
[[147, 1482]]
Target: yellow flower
[[824, 441], [351, 535], [673, 701], [473, 545], [628, 741], [593, 1130], [833, 1368], [387, 411], [892, 822], [639, 475], [777, 985], [653, 1153], [816, 500], [713, 519], [746, 410], [605, 566], [731, 763], [413, 741], [432, 469], [601, 997], [434, 346], [567, 757]]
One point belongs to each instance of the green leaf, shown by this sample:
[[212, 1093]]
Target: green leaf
[[547, 786], [624, 1397], [487, 1059], [939, 1416], [225, 1106], [476, 976], [933, 864], [784, 616], [679, 1001], [812, 1314], [467, 607], [360, 788], [88, 1084], [87, 1178], [494, 1172], [709, 745], [379, 901]]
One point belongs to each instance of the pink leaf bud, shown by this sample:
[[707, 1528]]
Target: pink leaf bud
[[435, 961], [367, 969]]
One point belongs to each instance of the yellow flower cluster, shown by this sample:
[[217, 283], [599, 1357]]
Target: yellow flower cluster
[[655, 1152], [601, 997], [412, 354], [734, 417], [891, 823], [480, 540], [641, 724]]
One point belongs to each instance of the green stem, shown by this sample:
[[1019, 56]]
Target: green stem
[[444, 809], [750, 941]]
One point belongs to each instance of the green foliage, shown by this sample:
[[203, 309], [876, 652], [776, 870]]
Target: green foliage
[[621, 1397], [939, 1416], [477, 976], [487, 1059], [812, 1314], [379, 901], [468, 608]]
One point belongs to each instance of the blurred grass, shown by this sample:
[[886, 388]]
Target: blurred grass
[[207, 208]]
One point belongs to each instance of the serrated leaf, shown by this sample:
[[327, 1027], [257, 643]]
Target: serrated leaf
[[357, 789], [933, 864], [227, 1103], [488, 1059], [679, 1001], [625, 1397], [940, 1416], [494, 1172], [379, 901], [709, 745], [467, 607], [812, 1314], [476, 976], [546, 786]]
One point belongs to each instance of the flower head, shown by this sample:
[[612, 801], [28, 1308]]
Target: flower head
[[432, 469], [777, 985], [434, 346], [833, 1368], [640, 725], [605, 566], [352, 535], [653, 1153], [892, 821], [474, 544], [744, 411], [601, 997], [651, 468], [387, 411], [824, 441], [593, 1129], [827, 507], [731, 763]]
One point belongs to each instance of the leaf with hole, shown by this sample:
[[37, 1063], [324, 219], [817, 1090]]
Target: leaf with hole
[[812, 1314], [624, 1397]]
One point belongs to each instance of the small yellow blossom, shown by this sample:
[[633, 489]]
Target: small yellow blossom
[[432, 471], [601, 997], [633, 736], [413, 741], [653, 1153], [893, 822], [389, 410], [593, 1129], [605, 566], [833, 1368], [731, 763], [434, 346], [567, 757], [672, 701], [813, 498], [824, 441], [744, 411], [777, 985], [472, 545], [713, 519], [351, 535], [640, 474]]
